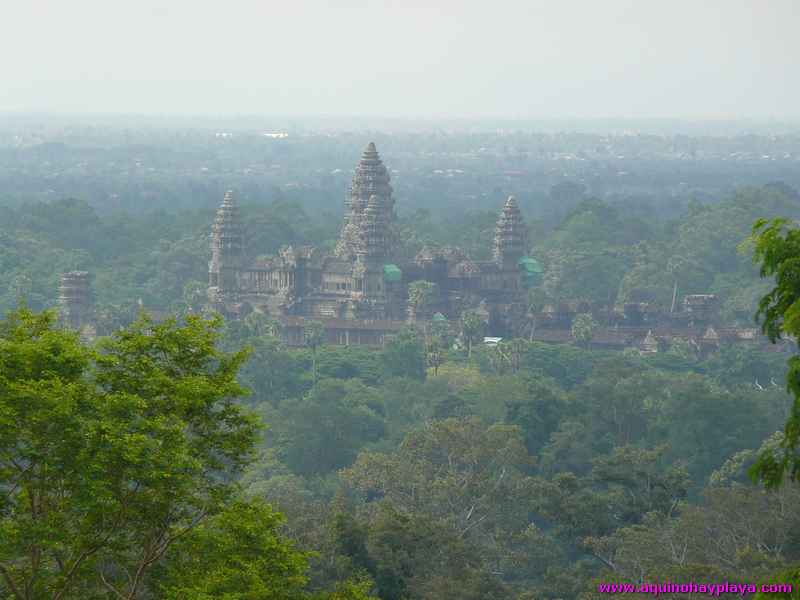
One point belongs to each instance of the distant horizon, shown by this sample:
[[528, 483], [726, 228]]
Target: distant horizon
[[387, 116], [388, 124]]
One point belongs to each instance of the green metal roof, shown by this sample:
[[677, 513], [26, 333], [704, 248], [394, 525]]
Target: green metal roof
[[392, 273], [439, 317], [529, 265], [531, 271]]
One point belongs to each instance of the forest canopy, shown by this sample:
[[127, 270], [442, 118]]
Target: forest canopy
[[177, 455]]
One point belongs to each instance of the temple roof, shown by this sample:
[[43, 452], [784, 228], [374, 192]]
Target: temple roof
[[373, 235], [392, 272], [370, 187], [227, 214], [371, 178], [228, 198], [426, 254], [227, 234], [75, 274], [465, 268], [337, 323], [510, 238], [332, 264]]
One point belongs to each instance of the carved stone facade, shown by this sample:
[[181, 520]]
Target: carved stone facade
[[510, 238], [360, 292], [370, 197], [365, 280]]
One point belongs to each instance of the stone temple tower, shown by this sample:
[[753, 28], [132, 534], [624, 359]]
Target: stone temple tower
[[510, 238], [75, 299], [227, 249], [371, 179], [371, 255], [373, 231]]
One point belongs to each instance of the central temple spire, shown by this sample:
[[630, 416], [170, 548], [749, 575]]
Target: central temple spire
[[371, 178], [510, 238], [227, 245], [373, 231]]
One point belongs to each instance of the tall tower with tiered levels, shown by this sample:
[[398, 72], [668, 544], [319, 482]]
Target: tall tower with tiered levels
[[371, 256], [373, 232], [76, 303], [371, 179], [227, 249], [510, 237]]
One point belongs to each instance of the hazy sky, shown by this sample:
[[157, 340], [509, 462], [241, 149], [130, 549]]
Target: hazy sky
[[506, 58]]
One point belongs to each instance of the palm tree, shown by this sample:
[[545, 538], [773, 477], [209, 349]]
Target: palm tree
[[420, 295], [314, 335], [471, 330], [583, 329], [258, 324], [434, 354], [535, 303]]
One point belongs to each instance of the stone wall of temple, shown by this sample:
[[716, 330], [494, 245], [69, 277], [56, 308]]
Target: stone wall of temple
[[76, 303], [364, 279]]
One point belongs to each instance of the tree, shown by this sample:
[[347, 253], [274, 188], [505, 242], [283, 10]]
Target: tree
[[512, 353], [108, 457], [195, 295], [350, 362], [567, 194], [472, 328], [737, 532], [676, 266], [324, 430], [239, 554], [404, 355], [457, 470], [440, 331], [588, 253], [537, 413], [22, 286], [352, 589], [567, 364], [111, 317], [420, 295], [434, 354], [583, 329], [644, 484], [258, 324], [314, 335], [777, 250], [415, 556], [272, 373], [242, 554], [535, 302]]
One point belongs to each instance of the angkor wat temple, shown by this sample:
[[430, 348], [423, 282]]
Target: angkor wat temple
[[360, 292], [369, 287]]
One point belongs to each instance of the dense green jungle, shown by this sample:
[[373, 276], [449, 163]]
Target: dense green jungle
[[183, 457]]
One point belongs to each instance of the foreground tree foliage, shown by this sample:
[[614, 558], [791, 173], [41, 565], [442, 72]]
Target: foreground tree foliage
[[237, 555], [120, 462], [108, 457], [777, 249]]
